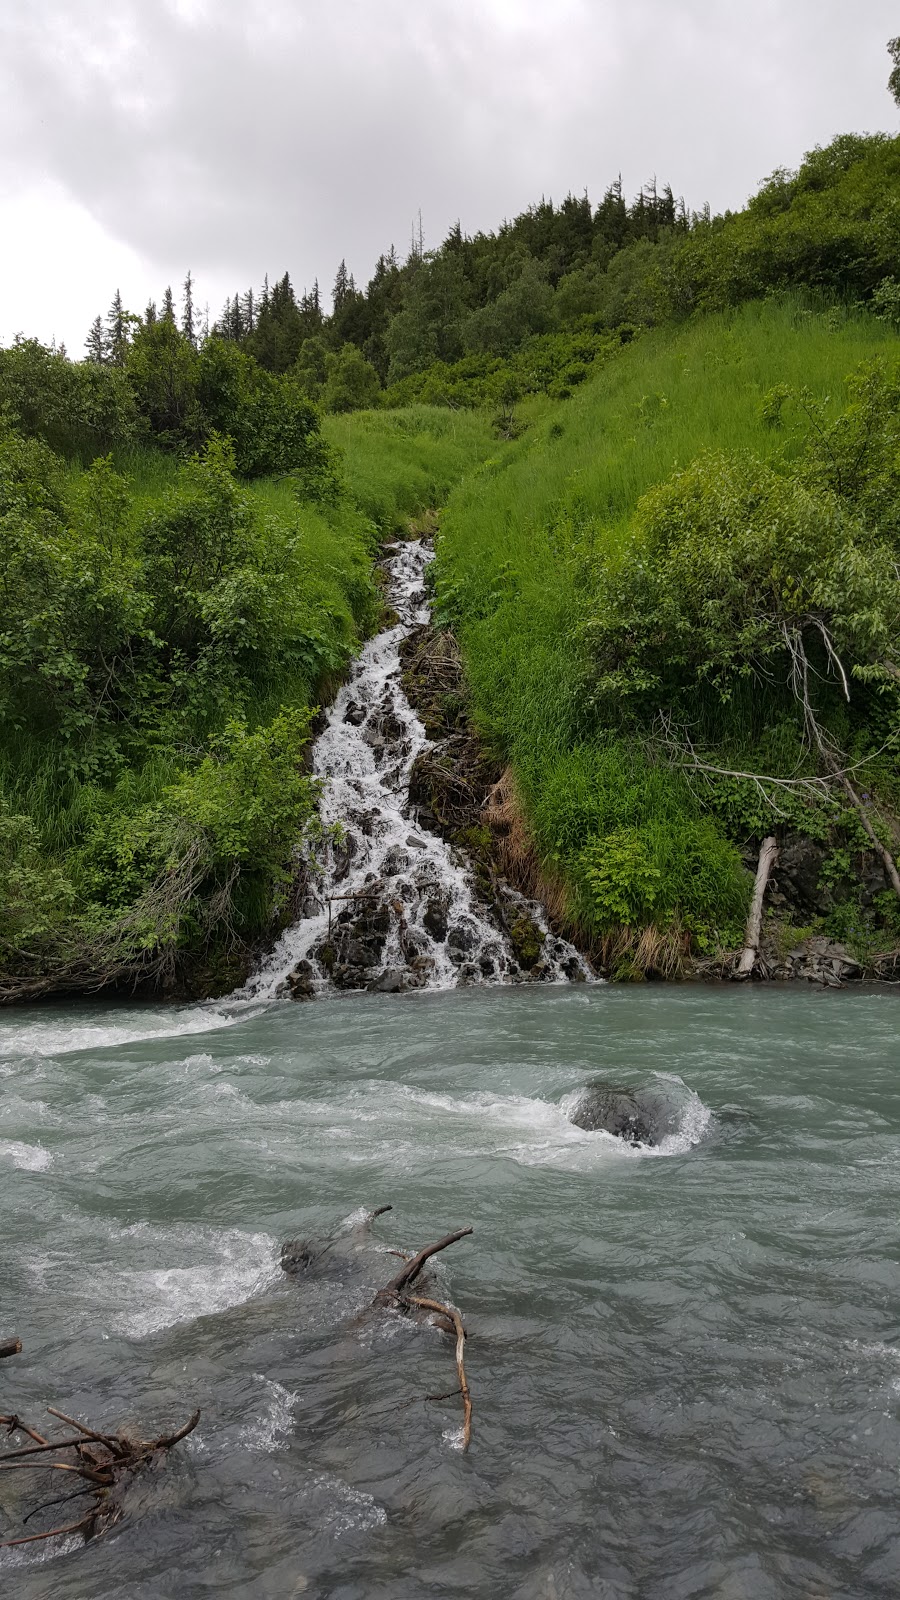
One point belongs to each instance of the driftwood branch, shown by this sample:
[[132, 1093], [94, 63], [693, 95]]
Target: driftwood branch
[[105, 1462], [768, 855], [453, 1316], [10, 1347], [397, 1293], [394, 1289]]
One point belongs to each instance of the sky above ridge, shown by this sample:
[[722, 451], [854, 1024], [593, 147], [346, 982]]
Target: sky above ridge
[[140, 138]]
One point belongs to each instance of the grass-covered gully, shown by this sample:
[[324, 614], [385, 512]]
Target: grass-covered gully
[[666, 449]]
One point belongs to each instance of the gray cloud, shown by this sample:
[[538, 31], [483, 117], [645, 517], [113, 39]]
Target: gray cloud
[[237, 139]]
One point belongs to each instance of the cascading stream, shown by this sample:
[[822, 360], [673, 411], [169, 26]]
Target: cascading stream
[[391, 906]]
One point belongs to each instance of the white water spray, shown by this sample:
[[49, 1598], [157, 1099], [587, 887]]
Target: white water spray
[[392, 906]]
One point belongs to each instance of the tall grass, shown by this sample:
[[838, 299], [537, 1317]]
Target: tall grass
[[398, 464]]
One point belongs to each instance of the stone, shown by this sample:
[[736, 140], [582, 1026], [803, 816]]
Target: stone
[[355, 714], [395, 861], [435, 919], [462, 937], [391, 981], [636, 1116]]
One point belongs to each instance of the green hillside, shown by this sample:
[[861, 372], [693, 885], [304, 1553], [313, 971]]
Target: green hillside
[[527, 546]]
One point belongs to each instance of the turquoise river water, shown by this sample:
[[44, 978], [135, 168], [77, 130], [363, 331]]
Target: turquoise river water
[[685, 1363]]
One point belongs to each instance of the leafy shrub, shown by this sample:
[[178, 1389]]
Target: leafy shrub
[[724, 558]]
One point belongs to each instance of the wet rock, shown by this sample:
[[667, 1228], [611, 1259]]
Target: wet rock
[[462, 940], [392, 981], [636, 1116], [468, 973], [301, 982], [395, 861], [435, 919], [355, 714], [298, 1255], [415, 843], [797, 875], [527, 941], [349, 977]]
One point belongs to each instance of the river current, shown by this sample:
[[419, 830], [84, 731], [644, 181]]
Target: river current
[[685, 1362]]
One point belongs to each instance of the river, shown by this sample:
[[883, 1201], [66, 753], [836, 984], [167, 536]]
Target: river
[[685, 1364]]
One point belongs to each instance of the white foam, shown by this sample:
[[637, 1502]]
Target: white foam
[[27, 1157], [271, 1430], [35, 1555], [234, 1267], [353, 1511], [61, 1038]]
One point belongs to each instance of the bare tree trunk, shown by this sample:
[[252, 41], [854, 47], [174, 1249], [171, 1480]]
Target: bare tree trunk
[[768, 855]]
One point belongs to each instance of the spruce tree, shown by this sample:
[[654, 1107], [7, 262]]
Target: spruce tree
[[343, 287], [96, 342], [187, 315], [168, 310], [117, 336], [150, 315], [894, 79]]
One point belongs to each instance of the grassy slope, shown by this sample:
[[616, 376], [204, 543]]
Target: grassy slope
[[511, 562], [398, 464]]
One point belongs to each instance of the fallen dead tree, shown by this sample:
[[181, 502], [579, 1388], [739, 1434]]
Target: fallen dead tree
[[105, 1463], [396, 1293], [302, 1255]]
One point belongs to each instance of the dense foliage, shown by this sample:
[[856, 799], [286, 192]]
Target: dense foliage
[[632, 633]]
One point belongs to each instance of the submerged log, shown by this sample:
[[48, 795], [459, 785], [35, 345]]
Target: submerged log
[[10, 1347]]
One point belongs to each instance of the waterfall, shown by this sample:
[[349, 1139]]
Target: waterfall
[[391, 905]]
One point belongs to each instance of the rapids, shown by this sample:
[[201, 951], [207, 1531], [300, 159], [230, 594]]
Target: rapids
[[685, 1361]]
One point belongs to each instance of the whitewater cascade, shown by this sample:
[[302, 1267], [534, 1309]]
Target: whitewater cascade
[[391, 906]]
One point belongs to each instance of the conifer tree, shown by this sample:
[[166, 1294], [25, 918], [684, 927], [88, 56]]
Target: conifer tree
[[248, 311], [894, 79], [187, 314], [343, 287], [117, 336], [150, 314], [168, 310], [96, 342]]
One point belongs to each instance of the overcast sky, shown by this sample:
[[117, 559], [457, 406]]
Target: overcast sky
[[141, 138]]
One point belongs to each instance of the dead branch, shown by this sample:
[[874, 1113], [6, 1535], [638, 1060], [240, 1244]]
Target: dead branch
[[10, 1347], [793, 638], [394, 1289], [453, 1316], [396, 1293], [768, 855], [106, 1462]]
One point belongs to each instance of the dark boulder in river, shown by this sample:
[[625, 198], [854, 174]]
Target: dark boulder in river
[[637, 1116]]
